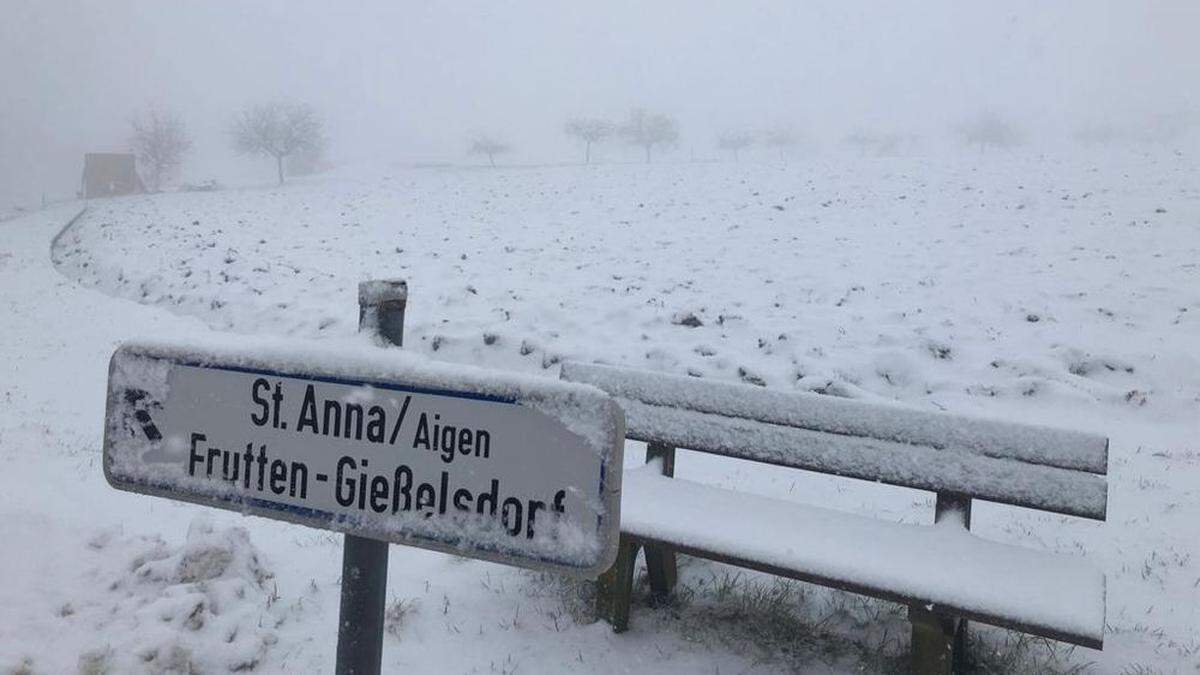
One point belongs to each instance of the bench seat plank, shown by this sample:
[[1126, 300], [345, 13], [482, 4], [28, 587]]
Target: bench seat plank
[[1006, 481], [942, 566], [1036, 444]]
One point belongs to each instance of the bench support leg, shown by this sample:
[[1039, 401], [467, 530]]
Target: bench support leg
[[614, 588], [937, 642], [660, 559], [954, 510], [660, 568]]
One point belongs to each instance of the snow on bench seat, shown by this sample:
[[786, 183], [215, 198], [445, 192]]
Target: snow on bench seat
[[944, 565]]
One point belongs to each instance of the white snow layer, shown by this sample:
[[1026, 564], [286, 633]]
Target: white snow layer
[[1038, 444], [942, 564], [208, 605], [1001, 480], [1028, 288]]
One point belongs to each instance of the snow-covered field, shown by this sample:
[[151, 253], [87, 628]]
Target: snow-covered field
[[1026, 287]]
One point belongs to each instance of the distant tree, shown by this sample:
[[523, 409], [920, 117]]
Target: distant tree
[[878, 144], [159, 141], [989, 129], [279, 130], [780, 138], [735, 142], [648, 129], [589, 131], [483, 144]]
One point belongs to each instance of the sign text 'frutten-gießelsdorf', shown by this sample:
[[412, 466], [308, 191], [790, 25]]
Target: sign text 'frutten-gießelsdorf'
[[502, 467]]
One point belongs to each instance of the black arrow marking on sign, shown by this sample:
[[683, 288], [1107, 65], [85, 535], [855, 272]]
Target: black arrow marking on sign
[[140, 400]]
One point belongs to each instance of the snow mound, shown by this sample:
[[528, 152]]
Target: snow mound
[[207, 605]]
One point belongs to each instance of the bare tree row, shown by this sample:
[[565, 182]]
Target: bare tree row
[[780, 139], [642, 128], [288, 132], [293, 135], [987, 129]]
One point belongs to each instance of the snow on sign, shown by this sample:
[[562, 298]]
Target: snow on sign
[[377, 443]]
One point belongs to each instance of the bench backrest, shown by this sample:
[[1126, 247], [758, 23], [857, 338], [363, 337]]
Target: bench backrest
[[1039, 467]]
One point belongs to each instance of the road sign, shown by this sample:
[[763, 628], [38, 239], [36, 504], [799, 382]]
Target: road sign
[[376, 443]]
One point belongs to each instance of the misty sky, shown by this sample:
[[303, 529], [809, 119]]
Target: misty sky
[[410, 81]]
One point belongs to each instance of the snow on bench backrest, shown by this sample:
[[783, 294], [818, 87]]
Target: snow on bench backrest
[[1006, 481], [1035, 444], [867, 441]]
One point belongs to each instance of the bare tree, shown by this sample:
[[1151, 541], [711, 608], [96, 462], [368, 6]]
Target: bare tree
[[280, 130], [989, 129], [735, 141], [589, 131], [648, 129], [483, 144], [159, 141], [780, 138]]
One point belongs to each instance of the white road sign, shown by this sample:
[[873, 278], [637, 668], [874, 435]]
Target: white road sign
[[387, 445]]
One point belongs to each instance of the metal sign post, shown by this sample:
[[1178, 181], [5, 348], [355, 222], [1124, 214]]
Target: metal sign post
[[364, 561]]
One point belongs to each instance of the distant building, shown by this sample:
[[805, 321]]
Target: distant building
[[108, 174]]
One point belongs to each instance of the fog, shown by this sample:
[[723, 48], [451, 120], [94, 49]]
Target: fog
[[407, 82]]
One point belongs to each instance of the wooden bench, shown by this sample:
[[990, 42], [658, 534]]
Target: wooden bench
[[945, 574]]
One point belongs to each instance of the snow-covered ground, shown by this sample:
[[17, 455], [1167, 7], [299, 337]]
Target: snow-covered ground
[[1025, 287]]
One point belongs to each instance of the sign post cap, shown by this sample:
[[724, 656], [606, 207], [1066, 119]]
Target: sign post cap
[[382, 291]]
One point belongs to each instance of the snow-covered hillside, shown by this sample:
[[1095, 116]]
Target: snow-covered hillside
[[911, 279], [1030, 288]]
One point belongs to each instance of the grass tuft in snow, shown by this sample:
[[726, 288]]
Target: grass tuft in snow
[[774, 620], [22, 667], [397, 614], [97, 661], [574, 600], [994, 651], [794, 625]]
